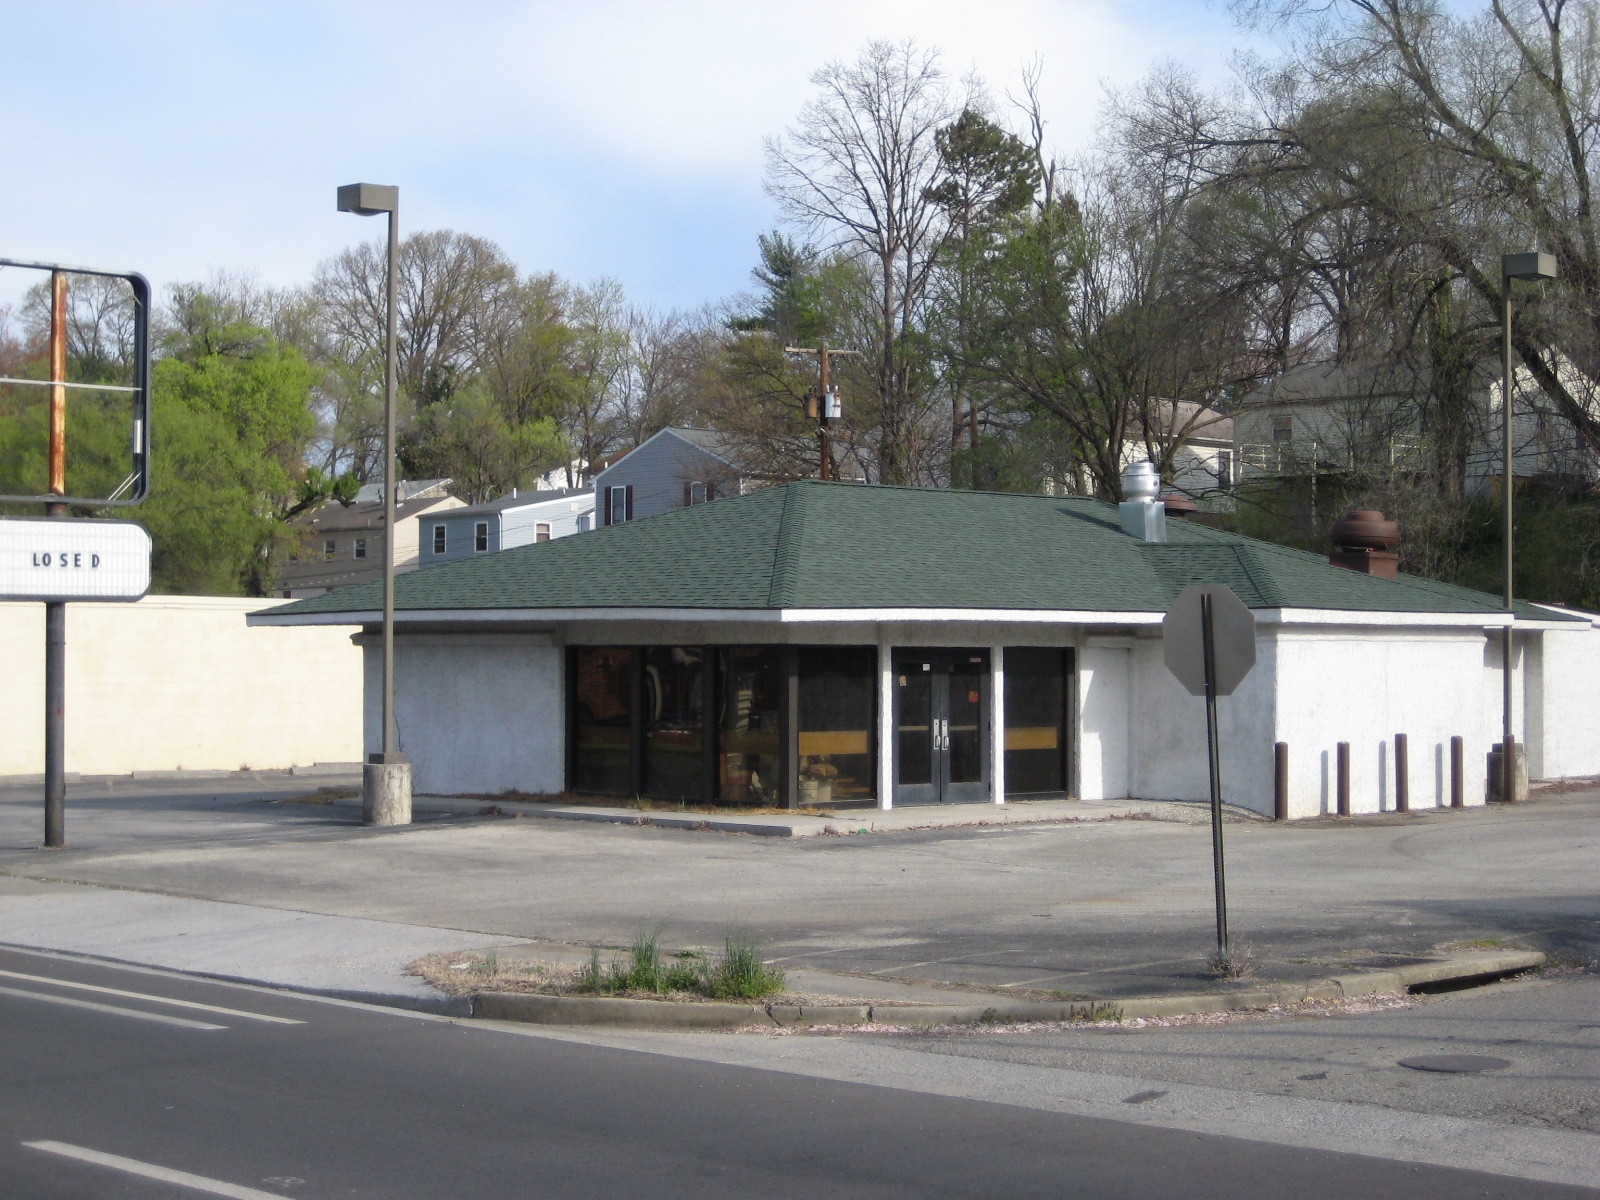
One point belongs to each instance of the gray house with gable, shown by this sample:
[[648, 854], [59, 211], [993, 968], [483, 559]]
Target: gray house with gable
[[673, 468]]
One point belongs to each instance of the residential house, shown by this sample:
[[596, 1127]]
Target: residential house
[[672, 468], [517, 519], [1333, 417], [337, 545]]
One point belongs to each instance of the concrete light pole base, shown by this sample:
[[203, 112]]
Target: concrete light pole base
[[1519, 768], [386, 790]]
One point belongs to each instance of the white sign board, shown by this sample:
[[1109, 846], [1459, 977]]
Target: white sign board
[[69, 559]]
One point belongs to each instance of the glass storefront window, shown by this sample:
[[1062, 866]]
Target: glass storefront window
[[1036, 706], [674, 721], [838, 686], [602, 720], [747, 759]]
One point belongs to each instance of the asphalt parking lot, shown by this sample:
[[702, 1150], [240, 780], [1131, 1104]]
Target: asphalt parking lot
[[1109, 908]]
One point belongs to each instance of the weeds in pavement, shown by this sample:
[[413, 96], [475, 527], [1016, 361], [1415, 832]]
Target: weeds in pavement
[[738, 973], [1238, 963]]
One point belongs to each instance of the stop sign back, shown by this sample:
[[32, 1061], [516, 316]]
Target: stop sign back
[[1233, 634]]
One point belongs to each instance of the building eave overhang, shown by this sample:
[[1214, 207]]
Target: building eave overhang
[[471, 617]]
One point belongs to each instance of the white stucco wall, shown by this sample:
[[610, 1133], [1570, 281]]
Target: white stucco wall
[[477, 714], [180, 683], [1563, 718], [1365, 684], [1168, 731], [1103, 698]]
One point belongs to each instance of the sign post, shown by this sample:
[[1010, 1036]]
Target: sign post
[[57, 565], [56, 559], [1209, 643]]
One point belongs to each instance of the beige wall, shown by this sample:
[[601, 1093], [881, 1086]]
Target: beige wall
[[180, 683]]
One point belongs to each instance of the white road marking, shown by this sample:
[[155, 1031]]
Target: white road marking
[[162, 1018], [107, 991], [216, 1187]]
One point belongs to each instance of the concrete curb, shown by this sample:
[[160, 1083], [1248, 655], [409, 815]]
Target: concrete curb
[[665, 1014], [801, 826]]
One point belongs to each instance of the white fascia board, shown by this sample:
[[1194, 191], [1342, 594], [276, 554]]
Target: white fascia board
[[1340, 616], [770, 616], [954, 616]]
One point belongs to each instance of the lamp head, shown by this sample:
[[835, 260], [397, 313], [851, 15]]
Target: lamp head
[[1530, 267], [369, 199]]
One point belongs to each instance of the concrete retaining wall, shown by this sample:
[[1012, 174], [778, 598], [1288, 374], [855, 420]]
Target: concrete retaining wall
[[180, 683]]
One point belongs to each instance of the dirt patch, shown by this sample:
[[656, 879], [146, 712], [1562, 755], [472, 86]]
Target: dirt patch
[[323, 795]]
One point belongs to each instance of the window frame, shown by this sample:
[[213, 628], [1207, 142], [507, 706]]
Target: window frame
[[440, 538], [480, 537]]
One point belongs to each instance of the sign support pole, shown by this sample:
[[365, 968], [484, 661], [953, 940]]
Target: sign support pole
[[1218, 871], [55, 611]]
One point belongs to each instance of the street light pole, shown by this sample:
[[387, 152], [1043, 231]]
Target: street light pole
[[1529, 267], [386, 793]]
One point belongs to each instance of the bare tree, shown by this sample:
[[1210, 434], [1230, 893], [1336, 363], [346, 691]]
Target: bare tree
[[855, 171]]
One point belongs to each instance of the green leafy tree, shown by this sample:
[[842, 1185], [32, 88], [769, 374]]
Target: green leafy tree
[[230, 424]]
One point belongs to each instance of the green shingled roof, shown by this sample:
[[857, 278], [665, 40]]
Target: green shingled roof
[[820, 545]]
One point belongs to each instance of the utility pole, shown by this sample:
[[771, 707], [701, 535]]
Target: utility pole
[[55, 611], [825, 406]]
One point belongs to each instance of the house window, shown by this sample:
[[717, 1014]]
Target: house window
[[480, 537], [619, 504], [698, 493], [361, 547], [1282, 430], [438, 539], [1224, 469], [541, 531], [330, 548]]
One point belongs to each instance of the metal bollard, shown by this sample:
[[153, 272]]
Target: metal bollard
[[1458, 773], [1343, 759], [1280, 781], [1402, 774]]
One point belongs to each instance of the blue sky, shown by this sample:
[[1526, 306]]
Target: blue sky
[[619, 139]]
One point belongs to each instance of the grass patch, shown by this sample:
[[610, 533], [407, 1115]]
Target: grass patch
[[738, 973]]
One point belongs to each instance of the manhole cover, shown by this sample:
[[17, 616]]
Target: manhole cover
[[1455, 1064]]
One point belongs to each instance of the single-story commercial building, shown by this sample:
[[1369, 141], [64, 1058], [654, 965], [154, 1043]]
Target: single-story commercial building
[[846, 644]]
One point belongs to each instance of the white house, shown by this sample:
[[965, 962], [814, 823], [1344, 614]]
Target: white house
[[846, 644]]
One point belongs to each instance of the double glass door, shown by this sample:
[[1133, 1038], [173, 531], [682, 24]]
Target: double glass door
[[941, 753]]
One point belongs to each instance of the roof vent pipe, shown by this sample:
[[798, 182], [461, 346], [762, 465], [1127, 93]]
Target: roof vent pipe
[[1143, 516]]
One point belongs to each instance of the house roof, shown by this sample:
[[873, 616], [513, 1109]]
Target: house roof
[[842, 546], [334, 517], [409, 489], [516, 499]]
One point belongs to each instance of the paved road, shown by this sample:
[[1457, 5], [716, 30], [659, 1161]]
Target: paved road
[[1107, 909], [115, 1092]]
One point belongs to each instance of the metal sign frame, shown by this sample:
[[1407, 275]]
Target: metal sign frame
[[139, 481]]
